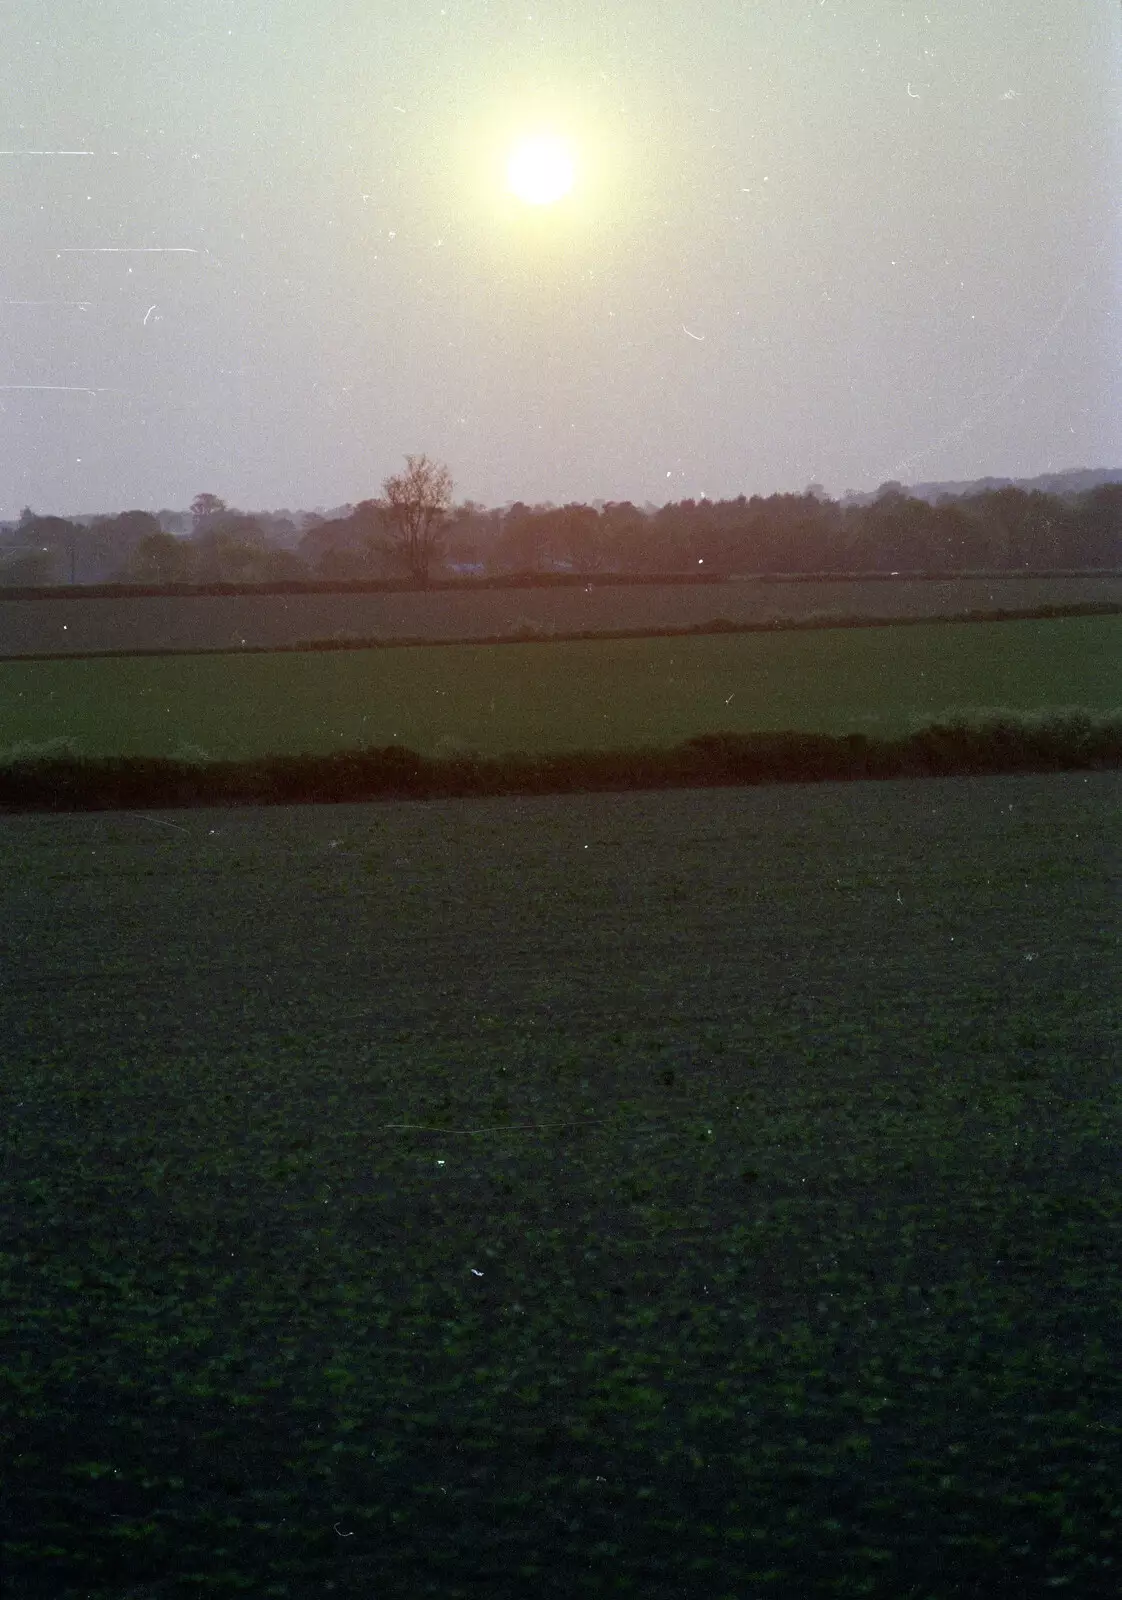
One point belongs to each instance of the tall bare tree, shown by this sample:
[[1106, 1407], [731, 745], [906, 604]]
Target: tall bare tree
[[413, 507]]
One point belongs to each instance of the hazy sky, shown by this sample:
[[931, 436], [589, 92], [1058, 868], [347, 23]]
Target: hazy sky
[[833, 240]]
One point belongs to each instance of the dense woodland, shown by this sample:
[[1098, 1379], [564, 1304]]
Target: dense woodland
[[1003, 529]]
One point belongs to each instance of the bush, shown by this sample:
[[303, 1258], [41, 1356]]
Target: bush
[[55, 776]]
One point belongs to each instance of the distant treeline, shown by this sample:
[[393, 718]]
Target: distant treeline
[[1001, 743], [998, 530]]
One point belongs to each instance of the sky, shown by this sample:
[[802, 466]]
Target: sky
[[264, 248]]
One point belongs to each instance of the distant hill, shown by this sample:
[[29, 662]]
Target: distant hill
[[1077, 480]]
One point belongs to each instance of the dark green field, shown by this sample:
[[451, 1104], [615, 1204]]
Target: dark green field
[[616, 694], [206, 622], [711, 1194]]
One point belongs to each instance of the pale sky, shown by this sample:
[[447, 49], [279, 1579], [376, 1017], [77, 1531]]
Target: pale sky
[[832, 240]]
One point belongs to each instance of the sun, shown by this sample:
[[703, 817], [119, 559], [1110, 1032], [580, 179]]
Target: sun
[[541, 171]]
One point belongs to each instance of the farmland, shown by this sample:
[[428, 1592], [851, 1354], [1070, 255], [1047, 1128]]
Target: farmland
[[73, 624], [559, 696], [694, 1195]]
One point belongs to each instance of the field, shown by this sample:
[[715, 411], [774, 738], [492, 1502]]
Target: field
[[559, 696], [688, 1196], [229, 622]]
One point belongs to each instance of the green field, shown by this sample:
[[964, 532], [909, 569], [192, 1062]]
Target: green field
[[560, 696], [699, 1196]]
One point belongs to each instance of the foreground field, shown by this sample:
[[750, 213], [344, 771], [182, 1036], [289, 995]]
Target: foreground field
[[696, 1195], [228, 622], [556, 697]]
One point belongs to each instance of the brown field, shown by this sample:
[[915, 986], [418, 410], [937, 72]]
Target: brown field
[[78, 625]]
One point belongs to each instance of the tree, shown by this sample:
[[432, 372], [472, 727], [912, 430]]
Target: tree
[[230, 547], [114, 540], [205, 507], [67, 539], [131, 525], [24, 568], [1095, 537], [340, 564], [413, 507], [623, 534], [347, 549], [282, 566], [525, 542], [160, 558], [580, 533], [229, 555], [1024, 525]]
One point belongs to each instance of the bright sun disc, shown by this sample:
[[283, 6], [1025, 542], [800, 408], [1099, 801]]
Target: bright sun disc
[[540, 171]]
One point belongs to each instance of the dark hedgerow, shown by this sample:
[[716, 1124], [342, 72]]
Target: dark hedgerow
[[993, 743]]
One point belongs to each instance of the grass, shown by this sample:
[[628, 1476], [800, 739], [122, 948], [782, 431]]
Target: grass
[[698, 1195], [541, 698]]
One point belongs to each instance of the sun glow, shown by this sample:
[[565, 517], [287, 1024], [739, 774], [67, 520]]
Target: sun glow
[[541, 171]]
